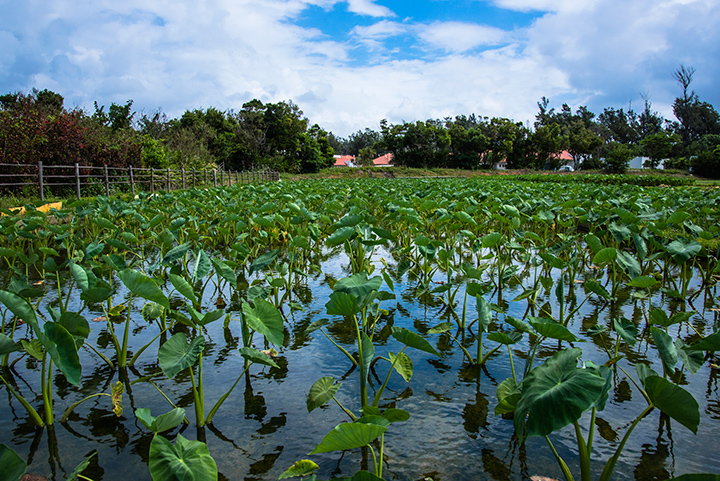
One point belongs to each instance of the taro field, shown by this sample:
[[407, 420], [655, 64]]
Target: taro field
[[444, 329]]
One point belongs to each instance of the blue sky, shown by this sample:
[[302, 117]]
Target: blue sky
[[349, 64]]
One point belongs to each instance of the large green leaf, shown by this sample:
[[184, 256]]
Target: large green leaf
[[358, 285], [552, 329], [321, 392], [263, 261], [665, 347], [412, 339], [340, 236], [709, 343], [23, 310], [142, 286], [202, 265], [506, 339], [349, 436], [556, 394], [626, 329], [693, 360], [185, 461], [12, 466], [64, 351], [224, 271], [163, 422], [183, 287], [7, 345], [492, 240], [681, 252], [605, 256], [628, 264], [674, 401], [342, 304], [177, 354], [257, 357], [508, 394], [265, 318], [484, 313], [176, 253], [403, 365]]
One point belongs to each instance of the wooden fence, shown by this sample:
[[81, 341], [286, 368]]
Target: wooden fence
[[98, 180]]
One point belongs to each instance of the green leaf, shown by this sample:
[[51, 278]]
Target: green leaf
[[64, 351], [177, 354], [299, 468], [556, 394], [7, 345], [665, 347], [322, 391], [605, 256], [674, 401], [693, 360], [164, 422], [263, 261], [629, 264], [396, 415], [342, 304], [202, 265], [12, 466], [595, 288], [412, 339], [81, 467], [265, 318], [593, 242], [142, 286], [175, 253], [440, 328], [508, 394], [403, 365], [710, 343], [349, 436], [626, 329], [484, 313], [358, 285], [492, 240], [257, 357], [183, 287], [224, 271], [23, 310], [552, 329], [340, 236], [186, 460], [681, 252], [643, 282], [505, 339]]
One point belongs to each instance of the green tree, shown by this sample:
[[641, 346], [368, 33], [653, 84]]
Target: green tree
[[617, 157], [547, 141], [659, 146]]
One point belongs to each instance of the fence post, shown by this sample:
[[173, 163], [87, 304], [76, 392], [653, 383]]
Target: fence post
[[152, 181], [221, 179], [182, 176], [193, 177], [40, 180], [168, 179], [205, 174], [215, 178], [107, 182], [132, 182], [77, 180]]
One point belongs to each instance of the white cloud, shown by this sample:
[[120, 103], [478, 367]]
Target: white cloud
[[369, 7], [182, 55], [460, 36]]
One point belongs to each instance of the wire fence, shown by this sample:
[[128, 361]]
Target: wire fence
[[90, 180]]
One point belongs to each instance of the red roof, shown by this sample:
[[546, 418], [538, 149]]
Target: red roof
[[564, 155], [341, 161], [383, 160]]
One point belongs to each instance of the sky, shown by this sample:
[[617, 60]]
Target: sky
[[349, 64]]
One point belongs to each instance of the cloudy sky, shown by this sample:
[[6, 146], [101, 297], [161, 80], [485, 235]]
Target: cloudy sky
[[348, 64]]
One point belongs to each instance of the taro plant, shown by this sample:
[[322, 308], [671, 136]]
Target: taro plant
[[186, 459], [558, 392], [54, 345], [180, 353]]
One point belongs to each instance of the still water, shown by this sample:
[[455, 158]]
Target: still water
[[264, 426]]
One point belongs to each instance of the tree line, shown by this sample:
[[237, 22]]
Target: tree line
[[36, 126]]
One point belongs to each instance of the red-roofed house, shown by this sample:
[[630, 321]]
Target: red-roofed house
[[383, 161], [565, 160], [344, 161]]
